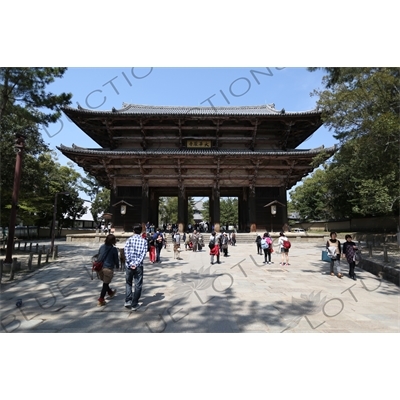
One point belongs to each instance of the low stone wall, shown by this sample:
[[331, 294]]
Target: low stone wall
[[95, 237], [387, 272]]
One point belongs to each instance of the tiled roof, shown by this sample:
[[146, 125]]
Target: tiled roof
[[138, 109], [194, 152]]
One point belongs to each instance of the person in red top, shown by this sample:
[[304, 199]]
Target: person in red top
[[214, 248], [152, 248]]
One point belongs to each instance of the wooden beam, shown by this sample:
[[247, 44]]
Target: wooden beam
[[182, 138], [253, 139], [226, 166], [183, 127], [143, 143]]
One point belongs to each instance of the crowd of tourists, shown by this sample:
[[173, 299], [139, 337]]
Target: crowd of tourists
[[141, 243]]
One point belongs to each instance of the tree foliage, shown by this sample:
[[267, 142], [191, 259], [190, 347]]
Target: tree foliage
[[91, 187], [311, 199], [229, 211], [229, 214], [24, 99], [42, 179], [168, 210], [101, 203], [362, 106], [25, 103]]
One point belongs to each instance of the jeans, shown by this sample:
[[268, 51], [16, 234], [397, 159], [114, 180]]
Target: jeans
[[352, 266], [335, 261], [267, 255], [135, 275], [158, 252]]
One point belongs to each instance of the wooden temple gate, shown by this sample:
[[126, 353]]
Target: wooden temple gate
[[148, 152]]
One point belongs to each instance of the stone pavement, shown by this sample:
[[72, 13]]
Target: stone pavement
[[189, 295]]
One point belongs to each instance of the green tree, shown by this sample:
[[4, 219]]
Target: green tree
[[49, 178], [191, 206], [229, 211], [206, 211], [90, 186], [312, 199], [229, 214], [100, 204], [362, 106], [23, 96], [24, 105], [168, 210]]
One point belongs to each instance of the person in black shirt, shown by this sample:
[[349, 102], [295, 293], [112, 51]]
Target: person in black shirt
[[258, 241], [349, 250]]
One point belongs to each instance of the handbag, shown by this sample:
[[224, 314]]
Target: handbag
[[324, 256], [98, 265]]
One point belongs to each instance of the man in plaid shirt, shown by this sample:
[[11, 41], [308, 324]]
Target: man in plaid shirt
[[135, 251]]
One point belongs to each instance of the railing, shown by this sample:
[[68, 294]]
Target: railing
[[30, 257]]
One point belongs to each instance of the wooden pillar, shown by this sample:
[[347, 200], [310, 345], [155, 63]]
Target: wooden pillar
[[252, 210], [182, 210], [283, 210], [244, 211], [145, 207], [211, 212], [153, 208], [216, 211]]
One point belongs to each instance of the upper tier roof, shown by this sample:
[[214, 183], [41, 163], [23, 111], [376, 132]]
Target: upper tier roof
[[194, 152], [139, 109]]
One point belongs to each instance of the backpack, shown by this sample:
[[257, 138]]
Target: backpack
[[286, 244], [211, 244], [264, 244]]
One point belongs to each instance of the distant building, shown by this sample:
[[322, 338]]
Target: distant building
[[86, 221], [197, 212]]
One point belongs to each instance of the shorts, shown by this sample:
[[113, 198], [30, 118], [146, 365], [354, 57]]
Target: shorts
[[106, 275], [283, 250]]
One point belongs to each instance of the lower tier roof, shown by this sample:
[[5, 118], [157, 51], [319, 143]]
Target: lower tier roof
[[196, 167]]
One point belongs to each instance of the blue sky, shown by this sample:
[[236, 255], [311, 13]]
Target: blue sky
[[104, 88]]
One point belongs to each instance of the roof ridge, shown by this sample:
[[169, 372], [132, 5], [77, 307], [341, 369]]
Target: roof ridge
[[204, 111], [220, 151]]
